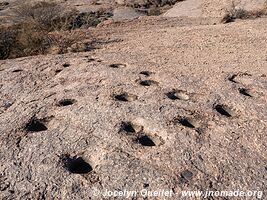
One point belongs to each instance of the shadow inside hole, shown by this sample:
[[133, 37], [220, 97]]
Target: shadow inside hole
[[146, 73], [127, 127], [66, 102], [121, 97], [244, 92], [125, 97], [232, 78], [172, 95], [185, 122], [76, 165], [90, 60], [148, 82], [66, 65], [117, 65], [35, 125], [146, 141], [222, 110], [58, 71], [17, 70], [145, 185]]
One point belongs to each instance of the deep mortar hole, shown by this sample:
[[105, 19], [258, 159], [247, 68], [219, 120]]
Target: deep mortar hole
[[145, 185], [172, 95], [127, 127], [245, 92], [186, 122], [121, 97], [76, 165], [148, 82], [66, 65], [146, 141], [117, 65], [66, 102], [222, 110], [125, 97], [35, 125], [58, 71], [232, 78], [90, 60], [17, 70], [146, 73]]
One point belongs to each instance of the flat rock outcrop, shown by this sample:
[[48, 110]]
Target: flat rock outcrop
[[165, 104]]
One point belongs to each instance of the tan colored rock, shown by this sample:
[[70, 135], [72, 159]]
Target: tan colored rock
[[63, 135], [211, 8]]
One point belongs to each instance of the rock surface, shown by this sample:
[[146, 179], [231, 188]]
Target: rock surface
[[212, 8], [167, 103], [125, 13]]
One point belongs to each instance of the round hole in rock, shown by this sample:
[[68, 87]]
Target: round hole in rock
[[146, 73], [58, 71], [66, 102], [76, 165], [178, 94], [232, 78], [125, 97], [145, 185], [244, 92], [121, 97], [222, 110], [117, 65], [17, 70], [186, 122], [90, 60], [127, 127], [146, 141], [35, 125], [172, 95], [66, 65], [148, 82]]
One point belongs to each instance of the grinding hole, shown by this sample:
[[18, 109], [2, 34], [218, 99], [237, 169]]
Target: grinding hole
[[35, 125], [222, 110], [117, 65], [90, 60], [66, 102], [146, 185], [146, 141], [58, 71], [66, 65], [186, 122], [148, 83], [172, 96], [232, 78], [17, 70], [76, 165], [125, 97], [146, 73], [178, 94], [244, 92], [127, 127]]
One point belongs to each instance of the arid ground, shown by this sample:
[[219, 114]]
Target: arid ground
[[171, 103]]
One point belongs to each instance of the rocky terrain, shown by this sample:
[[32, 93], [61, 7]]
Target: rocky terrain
[[163, 103]]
